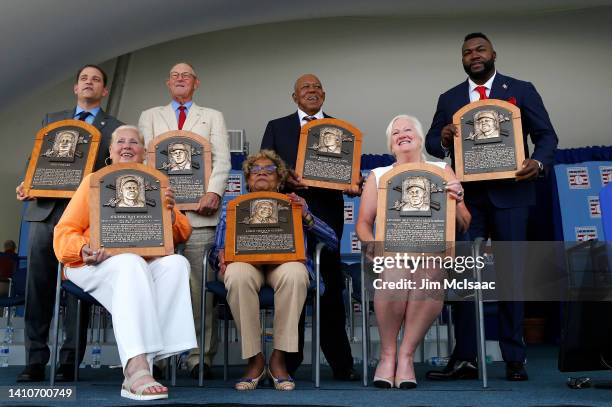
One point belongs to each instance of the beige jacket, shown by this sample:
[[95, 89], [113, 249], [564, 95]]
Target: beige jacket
[[208, 123]]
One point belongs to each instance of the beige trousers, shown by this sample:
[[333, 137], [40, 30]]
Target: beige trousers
[[194, 252], [290, 283]]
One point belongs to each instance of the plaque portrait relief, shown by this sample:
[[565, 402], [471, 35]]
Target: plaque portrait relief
[[490, 143], [130, 192], [127, 205], [64, 152], [179, 155], [329, 154], [415, 213], [263, 211], [186, 159], [330, 141], [64, 146]]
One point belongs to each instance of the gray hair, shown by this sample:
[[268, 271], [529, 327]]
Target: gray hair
[[417, 126], [127, 127]]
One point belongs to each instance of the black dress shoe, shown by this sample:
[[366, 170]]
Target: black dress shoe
[[32, 373], [455, 370], [65, 373], [515, 372], [195, 372], [347, 376]]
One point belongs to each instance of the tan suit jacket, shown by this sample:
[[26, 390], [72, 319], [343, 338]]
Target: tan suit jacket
[[208, 123]]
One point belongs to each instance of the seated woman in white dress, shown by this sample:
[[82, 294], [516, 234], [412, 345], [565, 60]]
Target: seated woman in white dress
[[148, 299], [416, 310]]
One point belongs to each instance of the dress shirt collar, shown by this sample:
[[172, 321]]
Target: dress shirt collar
[[474, 95], [301, 115], [175, 106], [90, 119]]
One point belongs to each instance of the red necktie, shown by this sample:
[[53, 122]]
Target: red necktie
[[182, 117], [482, 91]]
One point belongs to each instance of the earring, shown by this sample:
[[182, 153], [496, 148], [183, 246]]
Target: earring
[[106, 161]]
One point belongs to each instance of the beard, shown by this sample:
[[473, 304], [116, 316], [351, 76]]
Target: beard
[[487, 69]]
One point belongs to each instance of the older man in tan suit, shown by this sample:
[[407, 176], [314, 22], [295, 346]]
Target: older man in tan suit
[[183, 114]]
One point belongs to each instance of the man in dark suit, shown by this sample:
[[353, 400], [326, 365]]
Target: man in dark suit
[[499, 208], [43, 214], [282, 135]]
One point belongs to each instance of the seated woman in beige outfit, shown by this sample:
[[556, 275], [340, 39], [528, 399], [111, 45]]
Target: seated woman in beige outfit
[[416, 309], [266, 171]]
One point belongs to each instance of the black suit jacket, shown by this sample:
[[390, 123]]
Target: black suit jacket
[[39, 209], [536, 124], [283, 136]]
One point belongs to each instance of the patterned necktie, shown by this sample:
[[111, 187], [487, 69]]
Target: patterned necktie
[[182, 117], [309, 118], [83, 115], [482, 91]]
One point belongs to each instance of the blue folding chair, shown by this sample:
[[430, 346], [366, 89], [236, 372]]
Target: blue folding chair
[[16, 286], [266, 302]]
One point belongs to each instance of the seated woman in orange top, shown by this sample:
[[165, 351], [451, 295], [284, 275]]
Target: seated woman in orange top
[[149, 299]]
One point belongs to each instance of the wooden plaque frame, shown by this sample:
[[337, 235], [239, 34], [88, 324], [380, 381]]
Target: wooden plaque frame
[[206, 158], [382, 204], [356, 159], [95, 205], [264, 258], [519, 146], [37, 152]]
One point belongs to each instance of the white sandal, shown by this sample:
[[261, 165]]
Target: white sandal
[[126, 388]]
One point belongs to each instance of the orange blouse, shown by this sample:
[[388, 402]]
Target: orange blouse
[[72, 231]]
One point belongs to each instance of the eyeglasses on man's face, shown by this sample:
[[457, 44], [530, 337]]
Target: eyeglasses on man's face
[[182, 75]]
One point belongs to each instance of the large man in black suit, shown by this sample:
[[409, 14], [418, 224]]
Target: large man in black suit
[[499, 208], [43, 214], [282, 135]]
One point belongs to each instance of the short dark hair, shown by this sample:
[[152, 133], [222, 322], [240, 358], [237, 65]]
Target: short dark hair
[[476, 35], [104, 76]]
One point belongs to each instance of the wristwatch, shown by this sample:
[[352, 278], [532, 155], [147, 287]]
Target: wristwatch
[[540, 167]]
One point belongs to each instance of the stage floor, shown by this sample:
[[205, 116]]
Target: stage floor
[[546, 387]]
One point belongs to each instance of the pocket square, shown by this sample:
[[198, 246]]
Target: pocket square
[[512, 100]]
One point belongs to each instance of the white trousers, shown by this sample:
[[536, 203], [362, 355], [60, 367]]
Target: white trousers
[[149, 303]]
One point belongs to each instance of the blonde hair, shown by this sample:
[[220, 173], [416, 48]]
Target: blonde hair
[[127, 127], [418, 127], [281, 167]]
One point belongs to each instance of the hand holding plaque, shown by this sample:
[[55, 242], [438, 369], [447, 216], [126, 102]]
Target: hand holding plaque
[[489, 144], [329, 154]]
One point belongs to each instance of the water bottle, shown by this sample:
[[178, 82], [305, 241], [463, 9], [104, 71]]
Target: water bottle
[[438, 361], [5, 346], [96, 352]]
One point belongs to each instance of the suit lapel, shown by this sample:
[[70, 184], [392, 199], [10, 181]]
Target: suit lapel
[[294, 124], [169, 116], [192, 118], [499, 89], [100, 120]]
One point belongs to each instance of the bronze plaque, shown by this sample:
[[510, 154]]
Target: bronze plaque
[[264, 228], [490, 142], [186, 159], [329, 154], [415, 214], [64, 152], [127, 211]]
